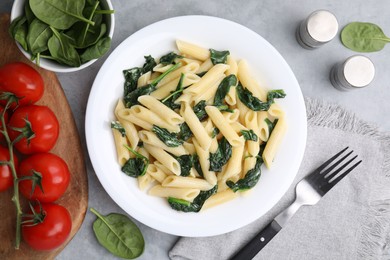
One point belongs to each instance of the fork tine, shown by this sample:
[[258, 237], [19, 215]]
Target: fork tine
[[330, 176], [319, 169], [341, 176], [330, 168]]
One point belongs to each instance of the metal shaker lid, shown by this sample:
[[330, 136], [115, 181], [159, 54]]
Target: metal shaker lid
[[359, 71], [322, 25]]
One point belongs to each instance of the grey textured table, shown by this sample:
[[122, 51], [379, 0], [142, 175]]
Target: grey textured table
[[276, 21]]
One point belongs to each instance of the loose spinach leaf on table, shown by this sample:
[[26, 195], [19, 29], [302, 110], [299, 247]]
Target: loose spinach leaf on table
[[250, 180], [221, 156], [131, 98], [223, 89], [97, 50], [62, 50], [38, 36], [249, 135], [135, 167], [170, 58], [255, 104], [168, 138], [18, 30], [196, 205], [59, 14], [218, 56], [363, 37], [118, 234]]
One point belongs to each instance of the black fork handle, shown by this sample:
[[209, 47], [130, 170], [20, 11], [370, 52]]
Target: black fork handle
[[258, 242]]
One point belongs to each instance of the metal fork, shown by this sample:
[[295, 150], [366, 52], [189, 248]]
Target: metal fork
[[308, 192]]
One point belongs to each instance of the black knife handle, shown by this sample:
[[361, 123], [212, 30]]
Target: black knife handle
[[258, 242]]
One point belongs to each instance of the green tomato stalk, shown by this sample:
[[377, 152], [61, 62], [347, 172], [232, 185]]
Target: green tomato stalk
[[38, 217]]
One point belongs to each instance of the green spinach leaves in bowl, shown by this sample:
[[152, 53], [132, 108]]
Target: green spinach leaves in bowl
[[63, 35]]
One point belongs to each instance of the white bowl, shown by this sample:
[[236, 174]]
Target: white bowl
[[18, 10]]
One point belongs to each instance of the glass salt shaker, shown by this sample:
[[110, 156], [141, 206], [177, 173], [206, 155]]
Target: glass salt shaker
[[356, 72], [318, 28]]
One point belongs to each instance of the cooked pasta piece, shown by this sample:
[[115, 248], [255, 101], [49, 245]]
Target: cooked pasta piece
[[189, 68], [274, 141], [144, 79], [166, 89], [180, 193], [164, 158], [231, 97], [205, 66], [223, 126], [234, 164], [193, 50], [126, 115], [152, 118], [161, 110], [123, 155], [233, 67], [209, 78], [151, 138], [219, 198], [248, 82], [263, 126], [196, 126], [205, 164], [186, 182], [144, 181], [156, 173]]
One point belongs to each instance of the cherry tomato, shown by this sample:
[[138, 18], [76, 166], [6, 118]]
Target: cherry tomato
[[55, 177], [43, 123], [22, 80], [52, 232], [6, 178]]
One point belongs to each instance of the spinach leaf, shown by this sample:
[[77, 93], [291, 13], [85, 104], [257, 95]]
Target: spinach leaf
[[170, 58], [149, 64], [253, 102], [131, 78], [131, 98], [168, 138], [169, 101], [137, 166], [223, 89], [215, 132], [59, 14], [218, 56], [185, 132], [116, 125], [185, 164], [38, 36], [221, 156], [201, 74], [84, 33], [196, 205], [18, 30], [118, 234], [363, 37], [196, 163], [96, 51], [250, 180], [271, 125], [28, 12], [249, 135], [200, 110], [62, 50]]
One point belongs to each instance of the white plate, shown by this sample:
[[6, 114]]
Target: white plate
[[269, 68]]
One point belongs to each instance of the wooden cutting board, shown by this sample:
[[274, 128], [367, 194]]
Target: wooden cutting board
[[68, 147]]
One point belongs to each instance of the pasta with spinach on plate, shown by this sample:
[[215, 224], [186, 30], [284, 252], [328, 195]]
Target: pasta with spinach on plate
[[195, 127]]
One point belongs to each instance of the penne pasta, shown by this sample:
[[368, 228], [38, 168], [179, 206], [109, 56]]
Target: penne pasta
[[180, 193], [186, 182], [164, 158], [161, 110], [248, 82], [193, 50], [150, 138], [152, 118], [274, 141]]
